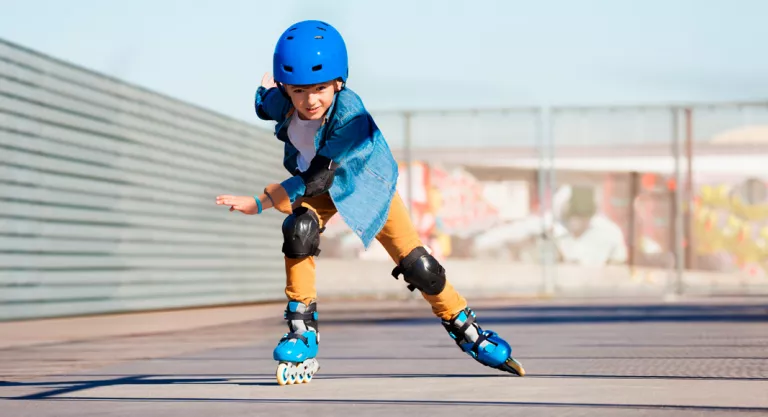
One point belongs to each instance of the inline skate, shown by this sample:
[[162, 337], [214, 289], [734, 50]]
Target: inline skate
[[485, 346], [297, 350]]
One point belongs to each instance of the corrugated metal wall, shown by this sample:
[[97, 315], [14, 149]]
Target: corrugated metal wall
[[107, 197]]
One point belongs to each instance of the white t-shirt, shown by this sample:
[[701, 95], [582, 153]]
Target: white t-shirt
[[601, 243], [302, 135]]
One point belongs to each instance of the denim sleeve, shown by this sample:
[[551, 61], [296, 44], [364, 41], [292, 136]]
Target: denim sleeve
[[294, 187], [271, 104]]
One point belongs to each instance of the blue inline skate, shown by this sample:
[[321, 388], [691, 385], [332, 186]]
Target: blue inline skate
[[485, 346], [297, 349]]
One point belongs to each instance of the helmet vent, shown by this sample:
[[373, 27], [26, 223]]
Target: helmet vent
[[323, 29], [288, 68], [317, 67], [289, 38], [318, 37], [291, 29]]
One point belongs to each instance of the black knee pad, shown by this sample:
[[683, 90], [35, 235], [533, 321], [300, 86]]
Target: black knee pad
[[301, 234], [421, 270]]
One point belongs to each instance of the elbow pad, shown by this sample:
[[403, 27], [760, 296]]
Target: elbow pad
[[318, 178]]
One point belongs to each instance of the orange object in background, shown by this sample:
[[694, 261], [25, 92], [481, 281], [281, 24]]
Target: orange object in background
[[671, 184], [648, 181]]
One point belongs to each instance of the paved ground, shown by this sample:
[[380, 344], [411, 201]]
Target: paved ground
[[598, 359]]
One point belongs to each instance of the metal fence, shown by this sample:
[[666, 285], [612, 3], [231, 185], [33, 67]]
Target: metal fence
[[107, 191], [672, 197], [107, 197]]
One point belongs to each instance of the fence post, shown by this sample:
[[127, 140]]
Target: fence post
[[679, 219], [546, 184], [407, 147], [689, 191]]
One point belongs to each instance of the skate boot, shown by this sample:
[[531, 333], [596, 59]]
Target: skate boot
[[485, 346], [297, 349]]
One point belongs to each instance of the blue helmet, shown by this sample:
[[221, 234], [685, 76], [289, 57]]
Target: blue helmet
[[310, 52]]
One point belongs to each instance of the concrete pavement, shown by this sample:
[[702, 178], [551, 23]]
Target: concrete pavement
[[596, 358]]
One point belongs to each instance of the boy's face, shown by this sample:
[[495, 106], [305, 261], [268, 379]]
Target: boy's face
[[312, 101]]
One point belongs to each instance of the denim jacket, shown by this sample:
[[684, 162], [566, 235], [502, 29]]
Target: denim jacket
[[366, 178]]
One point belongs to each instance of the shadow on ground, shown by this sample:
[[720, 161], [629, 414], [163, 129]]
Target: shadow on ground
[[69, 387], [588, 314]]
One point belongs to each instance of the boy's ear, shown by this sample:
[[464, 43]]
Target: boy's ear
[[338, 85]]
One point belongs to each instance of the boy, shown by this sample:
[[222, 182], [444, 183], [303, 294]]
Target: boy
[[341, 162]]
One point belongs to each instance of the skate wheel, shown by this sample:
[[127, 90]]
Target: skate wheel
[[309, 367], [293, 372], [301, 373], [282, 374]]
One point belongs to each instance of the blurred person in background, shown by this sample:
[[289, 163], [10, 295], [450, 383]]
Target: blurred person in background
[[339, 161], [584, 235]]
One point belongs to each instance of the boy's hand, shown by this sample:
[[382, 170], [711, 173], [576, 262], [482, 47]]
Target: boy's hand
[[246, 204], [267, 81]]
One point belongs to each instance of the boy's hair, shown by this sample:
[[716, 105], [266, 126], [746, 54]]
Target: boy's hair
[[311, 85]]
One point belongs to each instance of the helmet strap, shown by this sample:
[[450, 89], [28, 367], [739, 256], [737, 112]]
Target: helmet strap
[[343, 84], [282, 90]]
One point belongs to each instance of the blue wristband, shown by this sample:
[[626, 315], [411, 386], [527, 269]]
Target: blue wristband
[[258, 203]]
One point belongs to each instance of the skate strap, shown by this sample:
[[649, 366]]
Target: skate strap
[[482, 338], [298, 336], [292, 315], [467, 323]]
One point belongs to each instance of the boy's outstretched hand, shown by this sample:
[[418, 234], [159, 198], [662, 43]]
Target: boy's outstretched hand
[[245, 204], [267, 81]]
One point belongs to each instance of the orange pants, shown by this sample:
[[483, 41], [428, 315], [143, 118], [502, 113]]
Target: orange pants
[[398, 237]]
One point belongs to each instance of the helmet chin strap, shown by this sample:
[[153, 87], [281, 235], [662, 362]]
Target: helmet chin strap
[[281, 88]]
